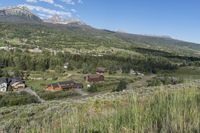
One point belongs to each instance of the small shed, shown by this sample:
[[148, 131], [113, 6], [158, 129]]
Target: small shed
[[94, 78]]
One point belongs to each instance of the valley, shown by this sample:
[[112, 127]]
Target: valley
[[67, 76]]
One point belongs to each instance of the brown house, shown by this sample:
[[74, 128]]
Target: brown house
[[100, 70], [67, 85], [94, 78], [17, 84]]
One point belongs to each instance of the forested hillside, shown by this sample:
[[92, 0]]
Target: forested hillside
[[79, 36]]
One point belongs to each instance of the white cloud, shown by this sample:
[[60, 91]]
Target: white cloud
[[44, 16], [35, 1], [47, 11], [48, 1], [59, 6], [73, 10], [31, 1], [70, 2]]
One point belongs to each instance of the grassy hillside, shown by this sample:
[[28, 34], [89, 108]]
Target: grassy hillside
[[161, 43], [83, 36], [152, 109], [172, 108]]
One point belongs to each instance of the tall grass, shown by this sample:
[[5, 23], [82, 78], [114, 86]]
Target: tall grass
[[177, 111]]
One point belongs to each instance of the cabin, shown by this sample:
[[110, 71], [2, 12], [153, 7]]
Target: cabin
[[3, 84], [66, 85], [94, 78], [54, 87], [16, 84], [100, 70]]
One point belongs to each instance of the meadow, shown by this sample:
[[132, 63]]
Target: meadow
[[151, 109]]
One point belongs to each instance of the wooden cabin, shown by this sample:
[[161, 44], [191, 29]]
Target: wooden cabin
[[17, 84], [94, 78], [66, 85]]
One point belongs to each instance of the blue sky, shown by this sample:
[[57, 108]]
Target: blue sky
[[177, 18]]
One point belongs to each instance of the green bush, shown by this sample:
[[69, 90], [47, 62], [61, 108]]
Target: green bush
[[93, 88], [154, 82], [121, 86], [157, 81], [12, 99], [48, 95]]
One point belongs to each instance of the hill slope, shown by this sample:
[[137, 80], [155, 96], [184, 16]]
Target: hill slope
[[34, 32], [112, 111]]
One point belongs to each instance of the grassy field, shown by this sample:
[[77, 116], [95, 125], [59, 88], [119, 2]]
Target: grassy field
[[163, 112], [152, 109], [187, 73], [111, 81]]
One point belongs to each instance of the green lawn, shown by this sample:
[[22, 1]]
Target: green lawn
[[110, 83]]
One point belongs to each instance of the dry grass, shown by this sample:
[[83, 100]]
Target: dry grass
[[154, 109]]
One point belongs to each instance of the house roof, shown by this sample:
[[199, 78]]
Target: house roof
[[14, 80], [67, 82], [94, 76], [64, 83]]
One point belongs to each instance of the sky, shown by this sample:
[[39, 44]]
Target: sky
[[179, 19]]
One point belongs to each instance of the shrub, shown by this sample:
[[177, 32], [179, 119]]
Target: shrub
[[12, 99], [157, 81], [48, 95], [93, 88], [154, 82], [121, 86]]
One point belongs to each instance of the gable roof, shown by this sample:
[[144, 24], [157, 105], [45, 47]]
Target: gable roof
[[93, 76], [63, 84], [14, 80]]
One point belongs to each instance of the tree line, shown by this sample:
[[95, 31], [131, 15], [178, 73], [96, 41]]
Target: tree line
[[26, 61]]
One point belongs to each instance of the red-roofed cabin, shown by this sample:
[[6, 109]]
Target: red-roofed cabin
[[94, 78], [54, 87], [67, 85]]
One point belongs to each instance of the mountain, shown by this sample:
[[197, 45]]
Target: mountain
[[56, 19], [18, 15]]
